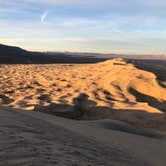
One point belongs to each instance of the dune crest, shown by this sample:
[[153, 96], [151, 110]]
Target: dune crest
[[131, 87]]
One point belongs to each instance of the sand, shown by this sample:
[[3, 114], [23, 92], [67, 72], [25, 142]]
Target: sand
[[115, 89], [114, 115], [39, 139]]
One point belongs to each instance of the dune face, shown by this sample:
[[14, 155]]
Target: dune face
[[38, 139], [111, 89]]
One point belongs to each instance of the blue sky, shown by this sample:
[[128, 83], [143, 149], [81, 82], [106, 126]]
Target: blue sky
[[106, 26]]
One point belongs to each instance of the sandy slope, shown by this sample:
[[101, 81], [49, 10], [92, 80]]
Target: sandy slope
[[108, 83], [114, 88], [34, 138], [109, 91]]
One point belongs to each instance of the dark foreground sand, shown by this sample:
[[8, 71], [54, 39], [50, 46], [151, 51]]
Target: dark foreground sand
[[38, 139]]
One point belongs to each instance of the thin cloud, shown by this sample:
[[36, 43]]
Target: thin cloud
[[44, 16]]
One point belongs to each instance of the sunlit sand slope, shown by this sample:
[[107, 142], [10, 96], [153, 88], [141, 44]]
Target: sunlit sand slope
[[107, 86]]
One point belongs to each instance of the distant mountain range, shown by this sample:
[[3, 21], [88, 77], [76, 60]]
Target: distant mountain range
[[16, 55]]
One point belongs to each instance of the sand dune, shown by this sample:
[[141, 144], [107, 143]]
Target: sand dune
[[112, 89], [115, 115]]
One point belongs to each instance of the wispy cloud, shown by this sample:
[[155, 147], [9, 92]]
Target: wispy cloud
[[43, 16]]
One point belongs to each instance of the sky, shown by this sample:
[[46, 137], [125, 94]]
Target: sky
[[104, 26]]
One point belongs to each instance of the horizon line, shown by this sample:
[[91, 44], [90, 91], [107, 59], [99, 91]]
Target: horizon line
[[83, 52]]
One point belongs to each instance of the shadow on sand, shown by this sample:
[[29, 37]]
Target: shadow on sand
[[85, 109], [140, 97], [137, 122]]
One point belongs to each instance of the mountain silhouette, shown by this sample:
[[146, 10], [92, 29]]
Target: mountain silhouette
[[16, 55]]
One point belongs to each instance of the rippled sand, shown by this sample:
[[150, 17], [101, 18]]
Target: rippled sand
[[115, 89]]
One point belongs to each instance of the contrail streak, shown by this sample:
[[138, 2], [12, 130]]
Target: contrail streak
[[43, 16]]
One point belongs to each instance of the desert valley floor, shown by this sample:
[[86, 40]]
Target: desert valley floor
[[115, 114]]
